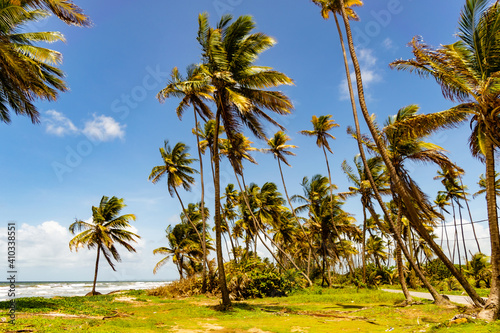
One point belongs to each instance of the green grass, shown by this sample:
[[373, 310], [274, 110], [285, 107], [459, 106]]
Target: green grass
[[311, 310]]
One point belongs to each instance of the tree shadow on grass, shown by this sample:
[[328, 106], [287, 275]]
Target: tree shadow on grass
[[32, 303]]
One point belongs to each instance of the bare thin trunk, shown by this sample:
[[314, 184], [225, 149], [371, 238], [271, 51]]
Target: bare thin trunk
[[470, 215], [96, 268]]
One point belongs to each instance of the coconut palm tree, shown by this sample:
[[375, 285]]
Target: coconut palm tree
[[176, 167], [29, 71], [280, 149], [184, 246], [65, 10], [362, 187], [241, 92], [195, 91], [104, 231], [466, 72], [482, 185]]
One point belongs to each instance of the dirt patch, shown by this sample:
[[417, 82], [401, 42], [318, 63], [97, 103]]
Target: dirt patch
[[257, 330]]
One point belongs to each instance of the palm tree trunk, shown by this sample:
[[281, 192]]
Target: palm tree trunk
[[363, 254], [463, 235], [491, 310], [399, 260], [455, 242], [202, 207], [470, 214], [399, 187], [226, 302], [96, 268], [231, 240]]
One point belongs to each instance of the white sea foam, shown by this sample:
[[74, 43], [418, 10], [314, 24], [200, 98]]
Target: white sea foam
[[51, 289]]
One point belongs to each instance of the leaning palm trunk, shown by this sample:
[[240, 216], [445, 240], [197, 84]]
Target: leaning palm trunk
[[93, 292], [491, 310], [413, 215]]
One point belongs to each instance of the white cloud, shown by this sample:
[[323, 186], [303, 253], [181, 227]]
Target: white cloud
[[43, 254], [369, 73], [58, 124], [103, 128], [388, 44]]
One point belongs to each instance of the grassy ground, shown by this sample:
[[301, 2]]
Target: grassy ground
[[313, 310]]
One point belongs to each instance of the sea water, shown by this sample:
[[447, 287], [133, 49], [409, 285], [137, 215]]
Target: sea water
[[51, 289]]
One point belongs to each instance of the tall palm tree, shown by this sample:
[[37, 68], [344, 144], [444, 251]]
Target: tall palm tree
[[466, 72], [280, 149], [194, 91], [362, 187], [241, 92], [176, 167], [105, 230]]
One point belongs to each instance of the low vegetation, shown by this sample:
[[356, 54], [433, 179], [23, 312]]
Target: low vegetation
[[313, 309]]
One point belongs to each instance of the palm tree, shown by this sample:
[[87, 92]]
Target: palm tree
[[193, 91], [65, 10], [28, 71], [185, 247], [176, 167], [280, 149], [105, 230], [466, 72], [241, 92], [326, 220], [482, 185], [362, 187], [375, 247]]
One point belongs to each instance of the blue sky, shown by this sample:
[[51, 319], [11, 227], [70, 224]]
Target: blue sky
[[102, 137]]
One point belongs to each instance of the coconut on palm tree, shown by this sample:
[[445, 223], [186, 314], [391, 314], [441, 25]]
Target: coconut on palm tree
[[104, 231]]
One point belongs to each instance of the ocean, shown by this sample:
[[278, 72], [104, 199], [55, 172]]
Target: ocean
[[51, 289]]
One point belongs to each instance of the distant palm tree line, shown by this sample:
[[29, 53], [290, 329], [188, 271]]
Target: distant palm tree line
[[230, 93]]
